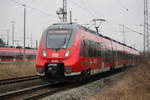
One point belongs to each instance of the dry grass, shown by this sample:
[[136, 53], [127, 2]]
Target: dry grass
[[17, 69], [135, 85]]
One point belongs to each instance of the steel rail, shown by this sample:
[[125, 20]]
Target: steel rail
[[18, 79], [10, 94], [51, 92]]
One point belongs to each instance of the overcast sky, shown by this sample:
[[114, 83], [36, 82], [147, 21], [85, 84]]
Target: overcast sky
[[42, 13]]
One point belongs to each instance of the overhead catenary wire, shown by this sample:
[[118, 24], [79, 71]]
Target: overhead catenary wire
[[40, 11], [119, 3], [95, 13], [82, 2], [134, 31], [83, 8], [87, 6]]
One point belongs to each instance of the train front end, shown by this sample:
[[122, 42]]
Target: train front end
[[58, 51]]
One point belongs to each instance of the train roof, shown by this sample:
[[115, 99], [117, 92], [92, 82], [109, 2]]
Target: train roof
[[75, 25], [94, 32]]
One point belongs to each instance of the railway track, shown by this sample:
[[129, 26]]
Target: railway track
[[70, 86], [32, 94], [18, 79], [11, 94], [46, 89], [50, 92]]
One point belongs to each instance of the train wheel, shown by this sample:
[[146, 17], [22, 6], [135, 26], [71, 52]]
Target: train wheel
[[125, 67], [112, 69], [86, 74]]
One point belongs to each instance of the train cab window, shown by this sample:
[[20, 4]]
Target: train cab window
[[58, 38]]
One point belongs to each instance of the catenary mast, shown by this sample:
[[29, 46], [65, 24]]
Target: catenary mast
[[63, 11], [146, 33]]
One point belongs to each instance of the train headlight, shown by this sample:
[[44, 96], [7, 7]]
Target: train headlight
[[44, 53], [67, 53]]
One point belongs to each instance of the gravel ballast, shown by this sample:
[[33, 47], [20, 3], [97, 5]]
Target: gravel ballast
[[90, 89]]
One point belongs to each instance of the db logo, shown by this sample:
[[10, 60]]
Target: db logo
[[55, 55]]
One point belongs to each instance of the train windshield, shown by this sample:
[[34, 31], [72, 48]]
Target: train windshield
[[58, 39]]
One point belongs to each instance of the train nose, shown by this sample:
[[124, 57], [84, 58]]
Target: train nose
[[60, 54], [52, 68], [55, 69]]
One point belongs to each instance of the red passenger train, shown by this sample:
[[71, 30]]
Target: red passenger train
[[73, 50]]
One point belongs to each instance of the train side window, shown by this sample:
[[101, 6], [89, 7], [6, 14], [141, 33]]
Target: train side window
[[106, 56], [99, 49], [81, 48], [115, 56], [102, 50], [90, 49], [94, 49], [110, 55], [85, 47]]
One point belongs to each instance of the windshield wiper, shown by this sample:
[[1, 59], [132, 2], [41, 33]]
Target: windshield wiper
[[64, 42]]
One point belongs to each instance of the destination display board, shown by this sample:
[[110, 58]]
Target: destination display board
[[58, 31]]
